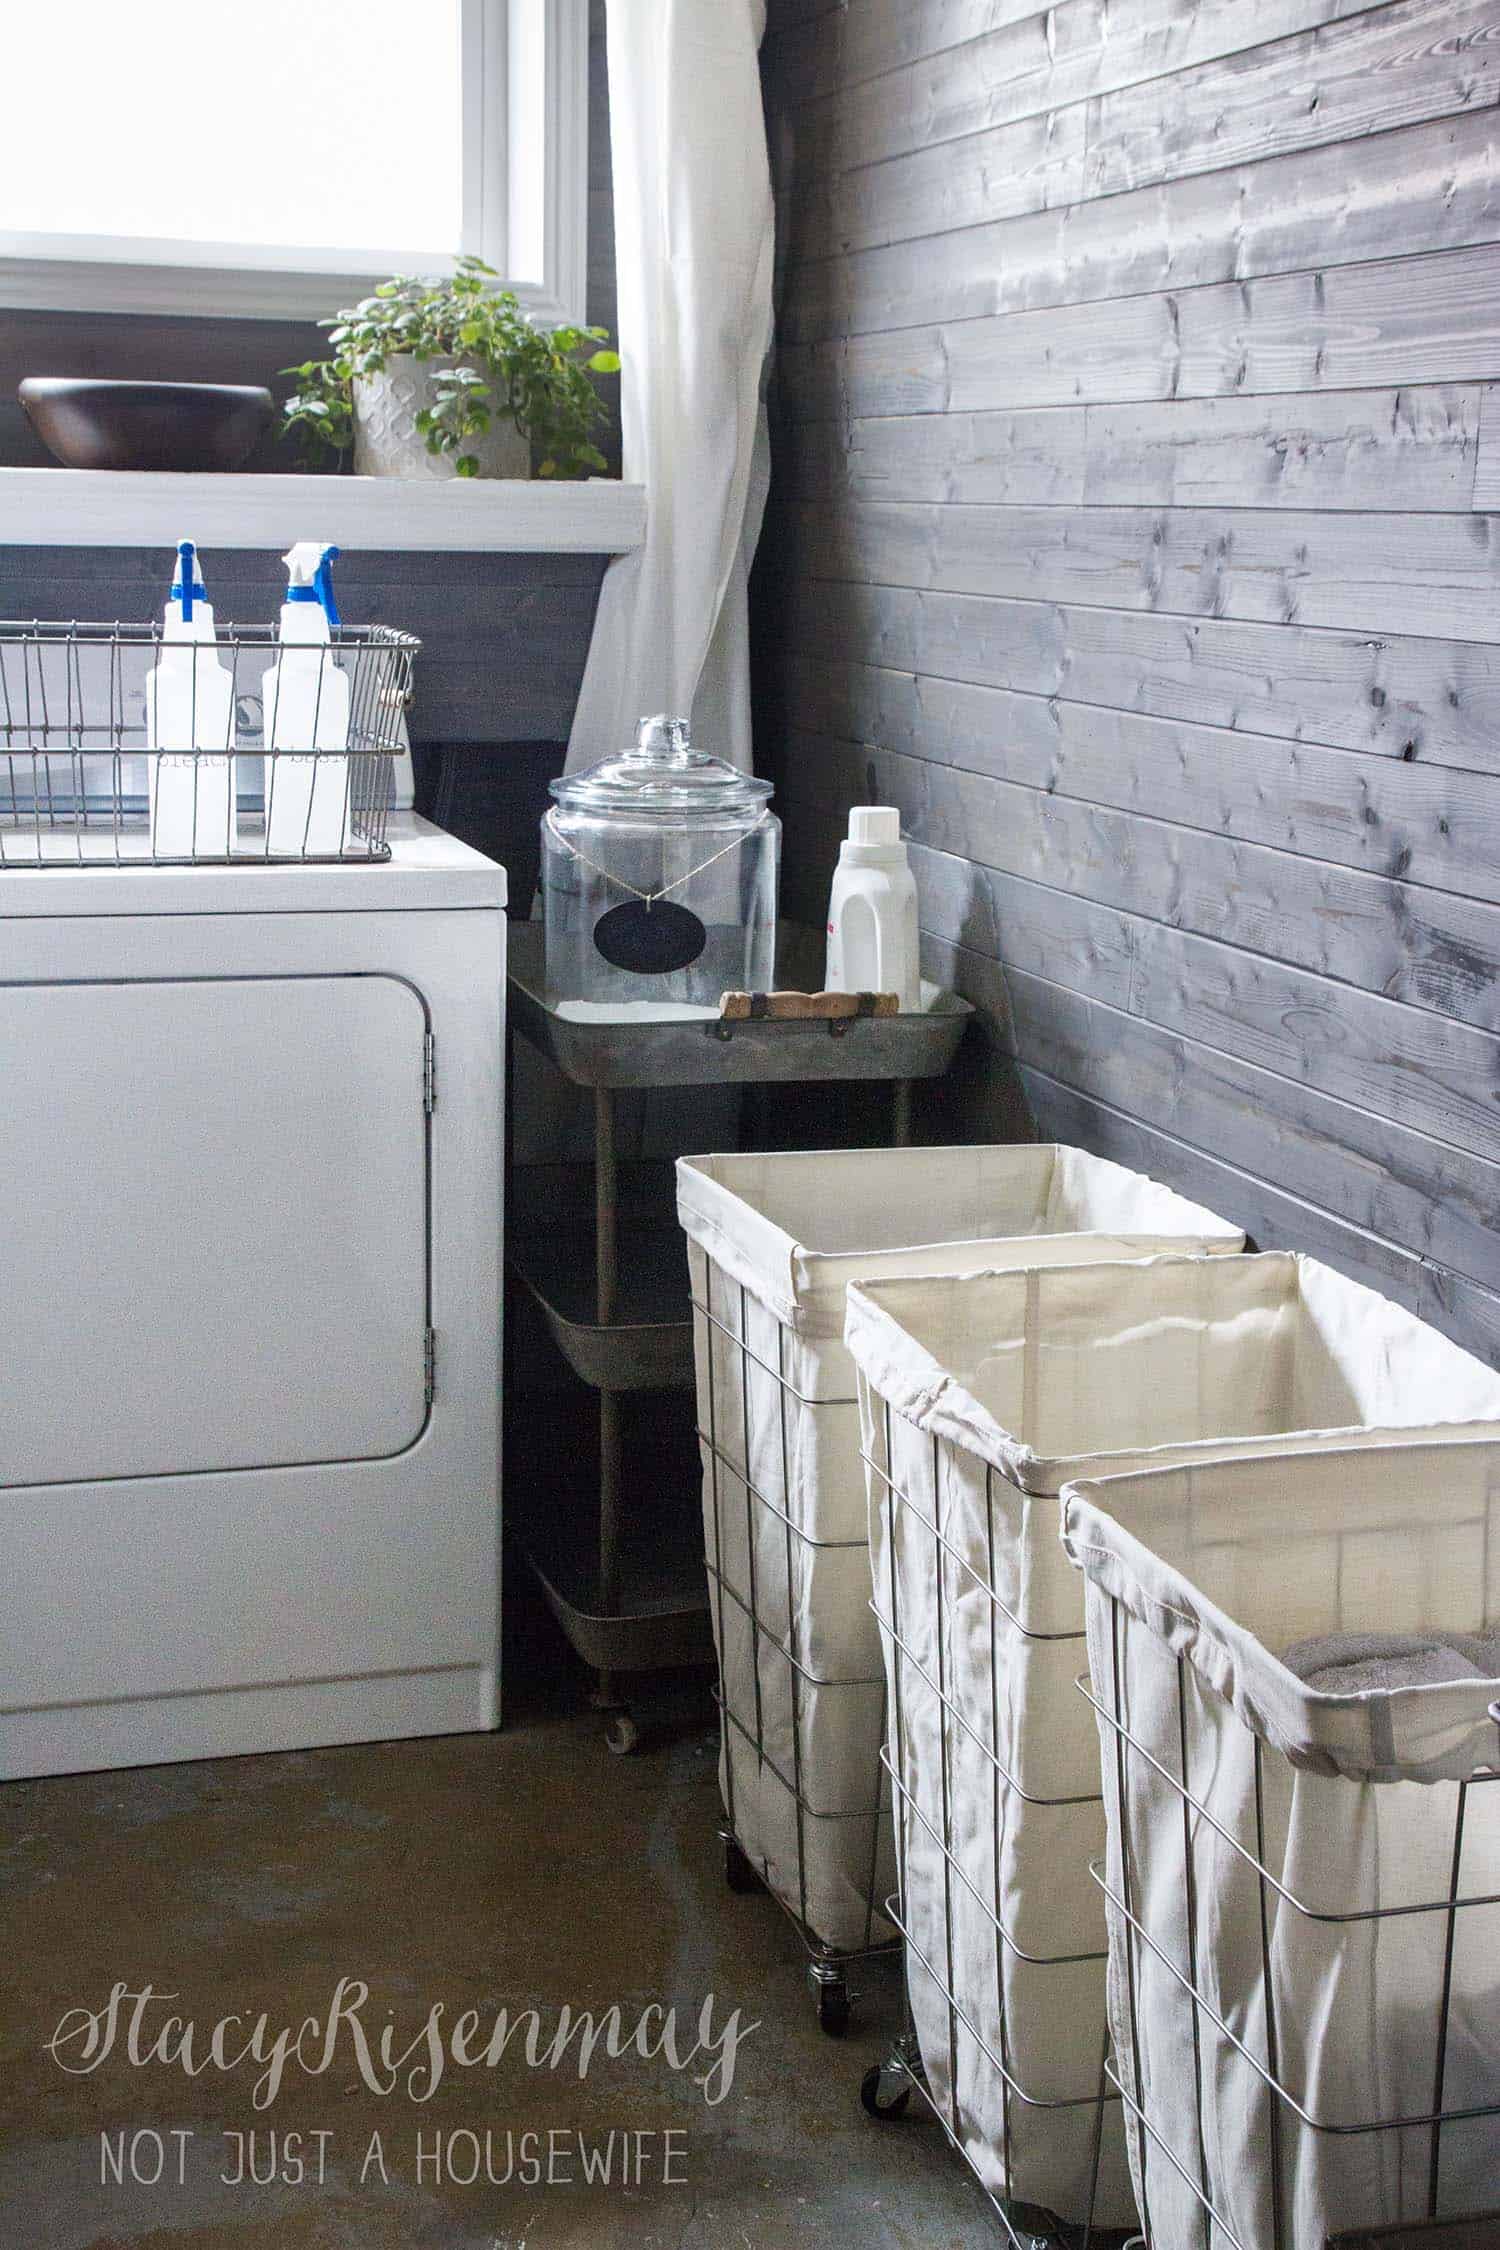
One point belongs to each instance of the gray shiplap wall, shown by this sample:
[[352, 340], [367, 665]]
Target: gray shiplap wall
[[1138, 416]]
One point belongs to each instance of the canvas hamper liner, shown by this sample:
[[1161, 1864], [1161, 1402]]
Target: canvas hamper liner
[[773, 1241], [1298, 1861], [981, 1398]]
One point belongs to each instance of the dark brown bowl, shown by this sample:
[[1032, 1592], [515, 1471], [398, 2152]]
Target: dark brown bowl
[[87, 424]]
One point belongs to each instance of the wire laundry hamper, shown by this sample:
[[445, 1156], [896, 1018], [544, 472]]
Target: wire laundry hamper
[[1302, 1883], [773, 1241], [982, 1397], [75, 763]]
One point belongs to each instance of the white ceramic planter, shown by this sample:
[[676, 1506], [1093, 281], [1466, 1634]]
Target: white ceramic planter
[[387, 442]]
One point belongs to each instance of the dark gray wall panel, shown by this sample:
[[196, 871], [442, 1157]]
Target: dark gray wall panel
[[1130, 534], [504, 637]]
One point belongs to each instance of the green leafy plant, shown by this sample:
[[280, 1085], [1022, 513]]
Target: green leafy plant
[[536, 378]]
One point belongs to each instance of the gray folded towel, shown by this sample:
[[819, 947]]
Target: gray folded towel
[[1368, 1663]]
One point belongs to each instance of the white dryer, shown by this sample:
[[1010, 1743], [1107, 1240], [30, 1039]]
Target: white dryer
[[250, 1183]]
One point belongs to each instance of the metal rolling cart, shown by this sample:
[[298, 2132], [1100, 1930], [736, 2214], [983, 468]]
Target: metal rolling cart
[[614, 1297]]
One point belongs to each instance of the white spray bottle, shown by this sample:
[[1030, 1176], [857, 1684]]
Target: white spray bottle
[[872, 911], [190, 727], [305, 698]]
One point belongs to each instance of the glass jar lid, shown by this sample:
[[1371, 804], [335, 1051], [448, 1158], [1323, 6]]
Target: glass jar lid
[[664, 774]]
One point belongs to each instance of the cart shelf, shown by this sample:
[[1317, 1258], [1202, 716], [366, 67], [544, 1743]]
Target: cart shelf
[[649, 1343], [675, 1045], [620, 1564], [655, 1612]]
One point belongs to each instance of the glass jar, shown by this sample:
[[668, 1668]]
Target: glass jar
[[659, 870]]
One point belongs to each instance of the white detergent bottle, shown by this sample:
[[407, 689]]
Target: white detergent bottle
[[872, 912], [305, 699], [190, 727]]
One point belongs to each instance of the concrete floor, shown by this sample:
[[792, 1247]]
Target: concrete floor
[[488, 1872]]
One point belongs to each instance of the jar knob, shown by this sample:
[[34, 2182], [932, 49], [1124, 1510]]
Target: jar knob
[[662, 736]]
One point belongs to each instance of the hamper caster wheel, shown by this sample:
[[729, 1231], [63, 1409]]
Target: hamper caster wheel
[[622, 1736], [739, 1875], [832, 1993], [876, 2102]]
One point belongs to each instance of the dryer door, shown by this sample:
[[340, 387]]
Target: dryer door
[[213, 1225]]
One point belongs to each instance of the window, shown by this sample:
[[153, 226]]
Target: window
[[275, 158]]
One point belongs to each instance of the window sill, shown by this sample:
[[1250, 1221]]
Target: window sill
[[144, 508]]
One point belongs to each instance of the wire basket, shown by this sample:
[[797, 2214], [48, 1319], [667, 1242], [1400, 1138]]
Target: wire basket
[[801, 1704], [1302, 1884], [81, 784], [1005, 2034]]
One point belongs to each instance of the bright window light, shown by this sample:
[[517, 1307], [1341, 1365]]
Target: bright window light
[[334, 126]]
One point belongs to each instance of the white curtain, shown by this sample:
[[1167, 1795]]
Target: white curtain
[[693, 233]]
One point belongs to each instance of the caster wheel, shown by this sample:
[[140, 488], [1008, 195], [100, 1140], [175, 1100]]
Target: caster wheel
[[622, 1736], [833, 2010], [739, 1875], [880, 2106]]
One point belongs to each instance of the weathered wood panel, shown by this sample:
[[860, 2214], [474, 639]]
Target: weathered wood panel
[[1402, 818], [951, 44], [1418, 448], [1033, 165], [1049, 58], [1341, 83], [1394, 321], [1034, 455], [1406, 64], [1140, 550], [1400, 695], [1438, 1077], [1429, 187], [1487, 466], [1414, 573], [1406, 320], [823, 48]]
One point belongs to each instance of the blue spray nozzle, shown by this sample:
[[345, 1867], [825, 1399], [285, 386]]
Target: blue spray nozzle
[[311, 576], [323, 584], [188, 586]]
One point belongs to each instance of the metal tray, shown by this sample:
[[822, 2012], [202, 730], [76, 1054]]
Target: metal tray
[[657, 1613], [649, 1343], [694, 1048]]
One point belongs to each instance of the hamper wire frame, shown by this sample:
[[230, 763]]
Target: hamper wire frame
[[75, 754], [1021, 2222], [1284, 2108], [722, 1470]]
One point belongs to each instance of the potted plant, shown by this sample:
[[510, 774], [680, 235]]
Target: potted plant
[[451, 378]]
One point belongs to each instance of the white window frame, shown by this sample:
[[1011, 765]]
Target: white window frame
[[525, 209]]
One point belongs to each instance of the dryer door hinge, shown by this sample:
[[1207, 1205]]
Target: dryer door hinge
[[429, 1073], [429, 1365]]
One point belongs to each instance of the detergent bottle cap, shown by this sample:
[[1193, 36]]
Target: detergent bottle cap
[[874, 824]]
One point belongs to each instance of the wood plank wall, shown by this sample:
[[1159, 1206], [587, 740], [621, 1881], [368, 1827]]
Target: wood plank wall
[[1138, 416]]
